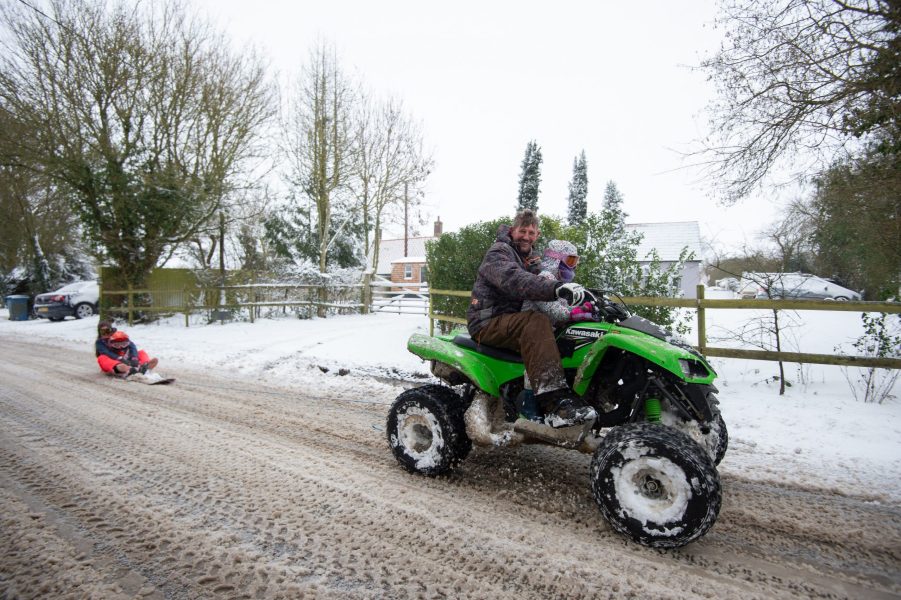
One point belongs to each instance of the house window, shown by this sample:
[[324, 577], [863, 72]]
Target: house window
[[408, 271]]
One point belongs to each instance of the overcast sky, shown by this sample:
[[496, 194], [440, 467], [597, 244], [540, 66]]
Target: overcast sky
[[484, 78]]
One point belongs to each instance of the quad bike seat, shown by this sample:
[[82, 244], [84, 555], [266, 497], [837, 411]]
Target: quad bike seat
[[493, 351]]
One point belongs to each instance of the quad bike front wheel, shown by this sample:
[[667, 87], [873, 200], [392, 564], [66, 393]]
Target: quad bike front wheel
[[655, 485], [426, 431], [715, 441]]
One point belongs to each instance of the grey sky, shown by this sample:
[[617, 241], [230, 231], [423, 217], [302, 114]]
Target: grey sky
[[484, 78]]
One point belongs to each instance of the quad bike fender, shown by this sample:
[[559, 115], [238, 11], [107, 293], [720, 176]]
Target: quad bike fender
[[678, 361], [486, 373]]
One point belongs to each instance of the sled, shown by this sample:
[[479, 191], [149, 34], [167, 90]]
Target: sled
[[150, 379]]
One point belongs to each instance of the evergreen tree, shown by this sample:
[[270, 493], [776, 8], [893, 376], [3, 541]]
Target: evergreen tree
[[292, 235], [578, 191], [530, 178], [613, 205]]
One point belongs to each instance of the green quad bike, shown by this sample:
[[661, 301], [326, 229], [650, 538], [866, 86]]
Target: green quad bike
[[656, 441]]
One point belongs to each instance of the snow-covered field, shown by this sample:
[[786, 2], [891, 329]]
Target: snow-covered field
[[815, 435]]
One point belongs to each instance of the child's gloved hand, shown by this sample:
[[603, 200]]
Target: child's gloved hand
[[582, 312]]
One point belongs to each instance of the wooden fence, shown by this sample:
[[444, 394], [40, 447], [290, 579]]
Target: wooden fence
[[258, 299], [221, 301], [700, 304]]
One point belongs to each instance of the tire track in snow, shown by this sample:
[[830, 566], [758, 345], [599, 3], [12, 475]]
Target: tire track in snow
[[187, 492]]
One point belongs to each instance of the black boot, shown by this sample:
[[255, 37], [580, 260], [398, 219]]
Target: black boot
[[563, 408]]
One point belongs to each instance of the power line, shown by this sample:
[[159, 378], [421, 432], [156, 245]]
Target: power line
[[46, 16]]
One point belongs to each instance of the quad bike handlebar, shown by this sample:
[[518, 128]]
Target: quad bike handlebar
[[603, 308]]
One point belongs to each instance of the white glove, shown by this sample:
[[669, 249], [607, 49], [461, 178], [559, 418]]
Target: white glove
[[573, 293]]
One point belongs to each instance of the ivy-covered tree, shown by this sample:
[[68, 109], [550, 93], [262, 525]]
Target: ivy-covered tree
[[577, 205], [856, 218], [530, 178]]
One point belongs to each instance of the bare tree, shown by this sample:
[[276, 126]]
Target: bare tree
[[769, 331], [798, 82], [792, 237], [317, 142], [139, 111], [389, 165]]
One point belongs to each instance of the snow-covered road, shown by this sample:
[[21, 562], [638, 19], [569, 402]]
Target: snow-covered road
[[219, 487]]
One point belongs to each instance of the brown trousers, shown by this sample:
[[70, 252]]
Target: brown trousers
[[529, 333]]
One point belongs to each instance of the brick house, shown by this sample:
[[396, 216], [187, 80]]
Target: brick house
[[408, 266]]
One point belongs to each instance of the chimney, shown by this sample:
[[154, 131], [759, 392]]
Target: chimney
[[438, 227]]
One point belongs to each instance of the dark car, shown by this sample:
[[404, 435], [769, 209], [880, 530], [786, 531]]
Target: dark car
[[77, 300]]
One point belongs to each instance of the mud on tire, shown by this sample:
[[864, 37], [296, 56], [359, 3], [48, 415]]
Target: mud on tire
[[425, 430], [655, 484], [715, 442]]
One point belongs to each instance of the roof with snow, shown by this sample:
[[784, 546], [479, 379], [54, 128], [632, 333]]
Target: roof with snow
[[668, 239], [392, 251]]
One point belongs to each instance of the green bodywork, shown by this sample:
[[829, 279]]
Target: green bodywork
[[488, 373]]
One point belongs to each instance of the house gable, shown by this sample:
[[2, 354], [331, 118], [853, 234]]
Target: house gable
[[393, 250], [668, 239]]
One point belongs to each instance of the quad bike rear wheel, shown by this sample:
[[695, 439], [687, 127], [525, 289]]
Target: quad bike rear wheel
[[655, 485], [426, 431]]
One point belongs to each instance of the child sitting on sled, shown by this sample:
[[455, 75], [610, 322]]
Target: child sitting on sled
[[116, 354]]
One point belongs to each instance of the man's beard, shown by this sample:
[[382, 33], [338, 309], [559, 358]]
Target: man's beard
[[524, 248]]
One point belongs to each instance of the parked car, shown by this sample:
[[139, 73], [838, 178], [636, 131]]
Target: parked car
[[806, 287], [77, 300]]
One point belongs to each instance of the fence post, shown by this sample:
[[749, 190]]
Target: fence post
[[702, 322], [323, 298], [253, 294], [186, 307], [367, 293], [431, 320], [131, 302]]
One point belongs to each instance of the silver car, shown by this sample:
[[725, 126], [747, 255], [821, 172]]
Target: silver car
[[802, 286], [77, 300]]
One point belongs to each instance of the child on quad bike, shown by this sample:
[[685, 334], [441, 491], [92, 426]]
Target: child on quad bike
[[118, 355], [558, 263]]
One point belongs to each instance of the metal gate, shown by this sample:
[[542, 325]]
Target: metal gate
[[400, 298]]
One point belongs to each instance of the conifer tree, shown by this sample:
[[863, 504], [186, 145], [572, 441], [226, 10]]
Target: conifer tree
[[613, 204], [530, 178], [578, 191]]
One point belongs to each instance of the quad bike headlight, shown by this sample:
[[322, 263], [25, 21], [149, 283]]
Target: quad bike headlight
[[693, 368]]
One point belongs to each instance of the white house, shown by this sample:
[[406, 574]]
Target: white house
[[668, 239]]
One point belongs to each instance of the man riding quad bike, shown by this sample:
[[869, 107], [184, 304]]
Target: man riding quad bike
[[656, 438]]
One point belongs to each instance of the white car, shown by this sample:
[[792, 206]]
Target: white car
[[807, 287], [79, 300]]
